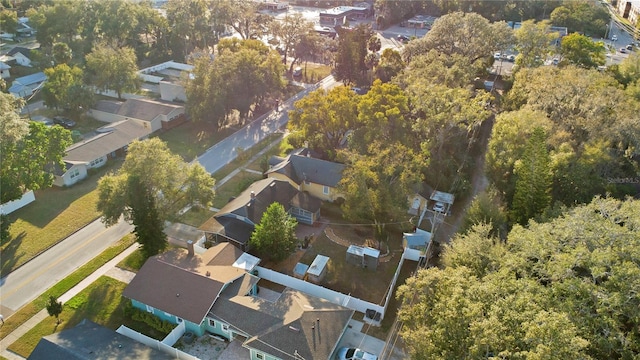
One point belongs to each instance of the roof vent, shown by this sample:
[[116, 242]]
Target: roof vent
[[295, 329], [178, 295]]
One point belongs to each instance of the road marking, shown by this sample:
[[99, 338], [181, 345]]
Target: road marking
[[46, 269]]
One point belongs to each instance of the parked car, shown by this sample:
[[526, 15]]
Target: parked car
[[403, 38], [64, 122], [630, 47], [297, 72], [439, 207], [614, 37], [355, 354], [497, 56], [623, 50], [511, 58], [43, 120]]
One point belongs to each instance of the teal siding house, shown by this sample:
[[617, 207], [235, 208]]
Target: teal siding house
[[217, 293]]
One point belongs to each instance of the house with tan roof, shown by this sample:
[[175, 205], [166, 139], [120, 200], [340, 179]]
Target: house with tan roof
[[236, 221], [108, 142], [217, 293], [152, 114], [320, 178]]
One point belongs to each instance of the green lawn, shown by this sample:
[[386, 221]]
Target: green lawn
[[101, 302], [196, 216], [56, 214], [234, 187], [246, 155], [192, 138], [133, 262], [282, 149], [28, 311]]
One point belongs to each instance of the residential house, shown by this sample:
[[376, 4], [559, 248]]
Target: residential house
[[236, 221], [168, 79], [21, 55], [108, 142], [90, 341], [216, 293], [151, 114], [4, 70], [629, 9], [319, 178], [25, 86]]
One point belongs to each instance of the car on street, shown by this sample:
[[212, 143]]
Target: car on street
[[630, 47], [64, 122], [497, 56], [511, 58], [623, 50], [439, 207], [403, 38], [614, 37], [354, 354]]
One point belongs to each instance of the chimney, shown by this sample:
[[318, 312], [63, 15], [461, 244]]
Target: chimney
[[190, 248], [253, 195]]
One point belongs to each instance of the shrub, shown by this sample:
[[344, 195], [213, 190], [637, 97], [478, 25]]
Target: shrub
[[149, 319]]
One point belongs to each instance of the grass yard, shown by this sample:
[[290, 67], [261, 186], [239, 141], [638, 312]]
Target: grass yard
[[192, 138], [196, 216], [282, 149], [29, 310], [133, 262], [245, 156], [314, 72], [56, 214], [233, 187], [101, 302]]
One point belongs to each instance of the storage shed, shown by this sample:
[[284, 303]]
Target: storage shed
[[300, 270], [365, 257], [318, 269]]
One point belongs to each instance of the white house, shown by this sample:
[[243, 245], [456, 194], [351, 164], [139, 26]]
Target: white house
[[26, 85], [151, 114], [4, 70], [111, 141], [21, 55]]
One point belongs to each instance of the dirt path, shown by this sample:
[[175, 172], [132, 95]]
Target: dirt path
[[479, 183]]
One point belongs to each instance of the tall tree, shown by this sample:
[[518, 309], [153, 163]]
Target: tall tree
[[165, 175], [323, 119], [469, 35], [290, 32], [582, 16], [275, 235], [27, 157], [582, 51], [352, 49], [533, 179], [148, 226], [390, 65], [62, 53], [113, 69], [8, 21], [243, 16], [534, 43], [57, 89]]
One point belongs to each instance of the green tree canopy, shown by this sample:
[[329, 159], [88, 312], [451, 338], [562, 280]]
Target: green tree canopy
[[28, 158], [275, 236], [534, 43], [113, 69], [61, 79], [54, 308], [582, 51], [166, 176], [582, 16], [467, 34], [533, 297]]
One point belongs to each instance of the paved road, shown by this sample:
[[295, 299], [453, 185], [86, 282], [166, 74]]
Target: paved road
[[225, 151], [27, 282]]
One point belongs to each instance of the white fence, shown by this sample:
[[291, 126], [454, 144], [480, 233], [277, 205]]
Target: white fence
[[175, 334], [154, 344], [11, 206], [319, 291]]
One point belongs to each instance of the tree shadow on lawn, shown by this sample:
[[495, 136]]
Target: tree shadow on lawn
[[10, 255]]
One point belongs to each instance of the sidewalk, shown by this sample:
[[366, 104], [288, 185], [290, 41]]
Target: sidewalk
[[108, 269], [104, 269]]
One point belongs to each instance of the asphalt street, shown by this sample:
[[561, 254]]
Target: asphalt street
[[225, 151], [30, 280]]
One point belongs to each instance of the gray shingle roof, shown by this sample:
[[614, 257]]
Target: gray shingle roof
[[122, 133], [302, 168], [19, 49], [285, 326], [145, 109], [169, 288], [90, 341]]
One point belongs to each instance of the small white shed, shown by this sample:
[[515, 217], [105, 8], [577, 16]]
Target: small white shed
[[365, 257], [318, 268]]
